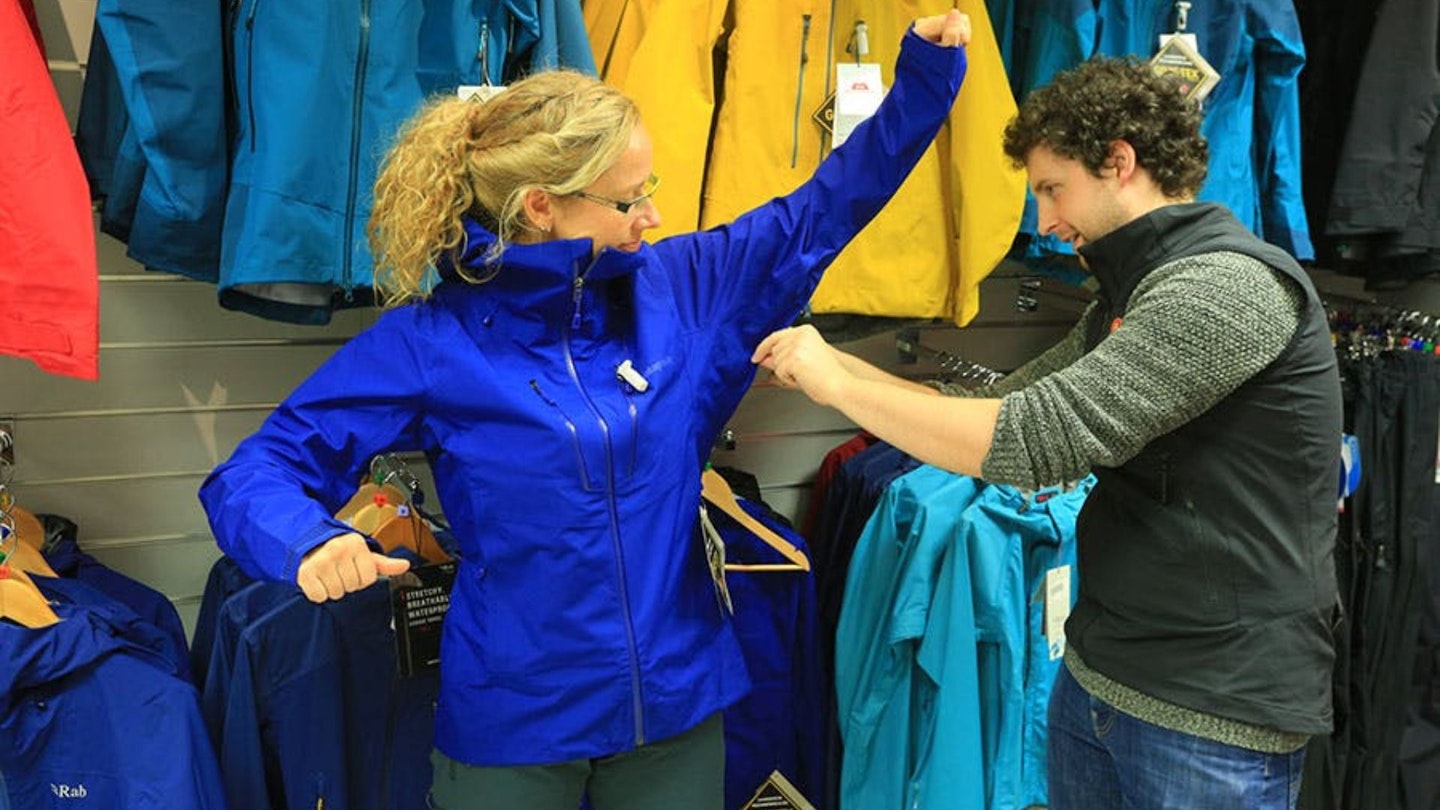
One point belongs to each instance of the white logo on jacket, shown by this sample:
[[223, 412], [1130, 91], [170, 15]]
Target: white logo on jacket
[[68, 791]]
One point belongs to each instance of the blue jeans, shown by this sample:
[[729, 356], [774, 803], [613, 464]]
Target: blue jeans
[[1103, 759]]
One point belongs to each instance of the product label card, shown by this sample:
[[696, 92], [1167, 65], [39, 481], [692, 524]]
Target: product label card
[[419, 600]]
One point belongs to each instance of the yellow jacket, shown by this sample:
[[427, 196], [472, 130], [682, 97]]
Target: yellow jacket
[[949, 225], [659, 53]]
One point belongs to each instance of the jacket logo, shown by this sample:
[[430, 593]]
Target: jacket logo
[[68, 791]]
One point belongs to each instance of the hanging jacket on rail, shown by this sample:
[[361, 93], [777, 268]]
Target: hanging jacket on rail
[[92, 716], [582, 621], [321, 89], [49, 295], [957, 214], [1252, 117]]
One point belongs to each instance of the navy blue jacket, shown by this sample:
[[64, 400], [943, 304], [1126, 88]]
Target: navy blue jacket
[[87, 712]]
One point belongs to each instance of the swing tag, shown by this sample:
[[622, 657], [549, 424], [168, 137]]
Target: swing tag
[[715, 558], [1057, 609], [1179, 56], [858, 92], [479, 93]]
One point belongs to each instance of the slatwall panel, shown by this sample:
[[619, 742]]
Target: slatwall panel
[[182, 380]]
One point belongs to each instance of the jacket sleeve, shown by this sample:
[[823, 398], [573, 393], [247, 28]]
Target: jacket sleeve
[[1279, 57], [1193, 332], [755, 274], [273, 499], [168, 61]]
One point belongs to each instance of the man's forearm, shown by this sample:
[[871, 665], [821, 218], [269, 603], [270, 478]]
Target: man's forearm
[[867, 371], [952, 433]]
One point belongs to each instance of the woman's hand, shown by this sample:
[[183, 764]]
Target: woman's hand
[[950, 29], [343, 564]]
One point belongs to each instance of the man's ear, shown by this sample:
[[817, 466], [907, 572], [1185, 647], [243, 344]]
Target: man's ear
[[539, 209], [1122, 160]]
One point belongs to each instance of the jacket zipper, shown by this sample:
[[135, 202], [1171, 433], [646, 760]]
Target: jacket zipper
[[482, 53], [799, 89], [362, 58], [250, 71], [636, 691]]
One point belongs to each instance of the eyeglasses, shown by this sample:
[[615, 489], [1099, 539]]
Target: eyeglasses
[[652, 185]]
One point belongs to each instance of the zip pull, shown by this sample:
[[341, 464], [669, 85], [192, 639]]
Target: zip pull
[[579, 287], [482, 52]]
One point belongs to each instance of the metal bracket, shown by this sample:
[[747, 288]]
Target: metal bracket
[[7, 440], [907, 345]]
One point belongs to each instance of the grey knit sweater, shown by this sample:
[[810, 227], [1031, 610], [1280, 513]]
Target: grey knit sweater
[[1194, 331]]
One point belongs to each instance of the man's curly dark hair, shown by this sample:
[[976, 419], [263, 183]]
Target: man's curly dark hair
[[1102, 100]]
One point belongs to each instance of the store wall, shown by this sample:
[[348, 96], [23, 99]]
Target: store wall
[[182, 381]]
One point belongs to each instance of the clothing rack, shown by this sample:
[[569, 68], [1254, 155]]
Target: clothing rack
[[1364, 329], [953, 367]]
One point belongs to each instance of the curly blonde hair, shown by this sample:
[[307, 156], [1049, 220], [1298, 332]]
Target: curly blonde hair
[[556, 131]]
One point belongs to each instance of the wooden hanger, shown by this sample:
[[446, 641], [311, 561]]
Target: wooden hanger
[[366, 495], [716, 490], [20, 601], [31, 534], [374, 511]]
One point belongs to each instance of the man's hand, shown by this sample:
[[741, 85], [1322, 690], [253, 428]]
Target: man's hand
[[950, 29], [343, 564], [800, 358]]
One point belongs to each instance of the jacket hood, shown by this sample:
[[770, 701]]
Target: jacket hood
[[37, 657], [92, 626]]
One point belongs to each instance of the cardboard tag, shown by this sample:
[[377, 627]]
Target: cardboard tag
[[419, 600], [715, 558], [824, 115], [777, 793], [1179, 56], [1057, 609], [478, 92], [858, 92]]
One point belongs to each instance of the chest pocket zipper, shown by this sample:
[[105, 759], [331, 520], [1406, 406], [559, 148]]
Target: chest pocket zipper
[[569, 426]]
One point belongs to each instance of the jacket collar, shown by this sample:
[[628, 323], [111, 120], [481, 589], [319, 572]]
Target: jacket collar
[[541, 265], [539, 282], [1121, 258]]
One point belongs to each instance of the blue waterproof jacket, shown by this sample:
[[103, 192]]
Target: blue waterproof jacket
[[583, 621], [91, 715], [321, 90], [1252, 117]]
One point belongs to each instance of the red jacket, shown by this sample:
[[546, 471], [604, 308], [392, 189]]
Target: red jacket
[[49, 285]]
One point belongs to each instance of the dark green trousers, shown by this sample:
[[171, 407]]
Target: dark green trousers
[[684, 772]]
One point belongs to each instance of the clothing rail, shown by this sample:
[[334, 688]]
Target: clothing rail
[[954, 367]]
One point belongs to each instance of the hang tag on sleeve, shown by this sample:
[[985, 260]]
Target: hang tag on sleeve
[[859, 90]]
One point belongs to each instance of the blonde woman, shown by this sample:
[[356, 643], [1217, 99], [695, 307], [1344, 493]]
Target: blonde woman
[[566, 380]]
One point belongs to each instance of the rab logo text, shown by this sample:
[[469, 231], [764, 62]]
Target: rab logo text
[[69, 791]]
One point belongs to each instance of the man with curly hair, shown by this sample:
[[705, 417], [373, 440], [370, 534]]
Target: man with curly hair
[[1201, 389]]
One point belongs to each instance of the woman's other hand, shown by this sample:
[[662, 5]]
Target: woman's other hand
[[951, 29]]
